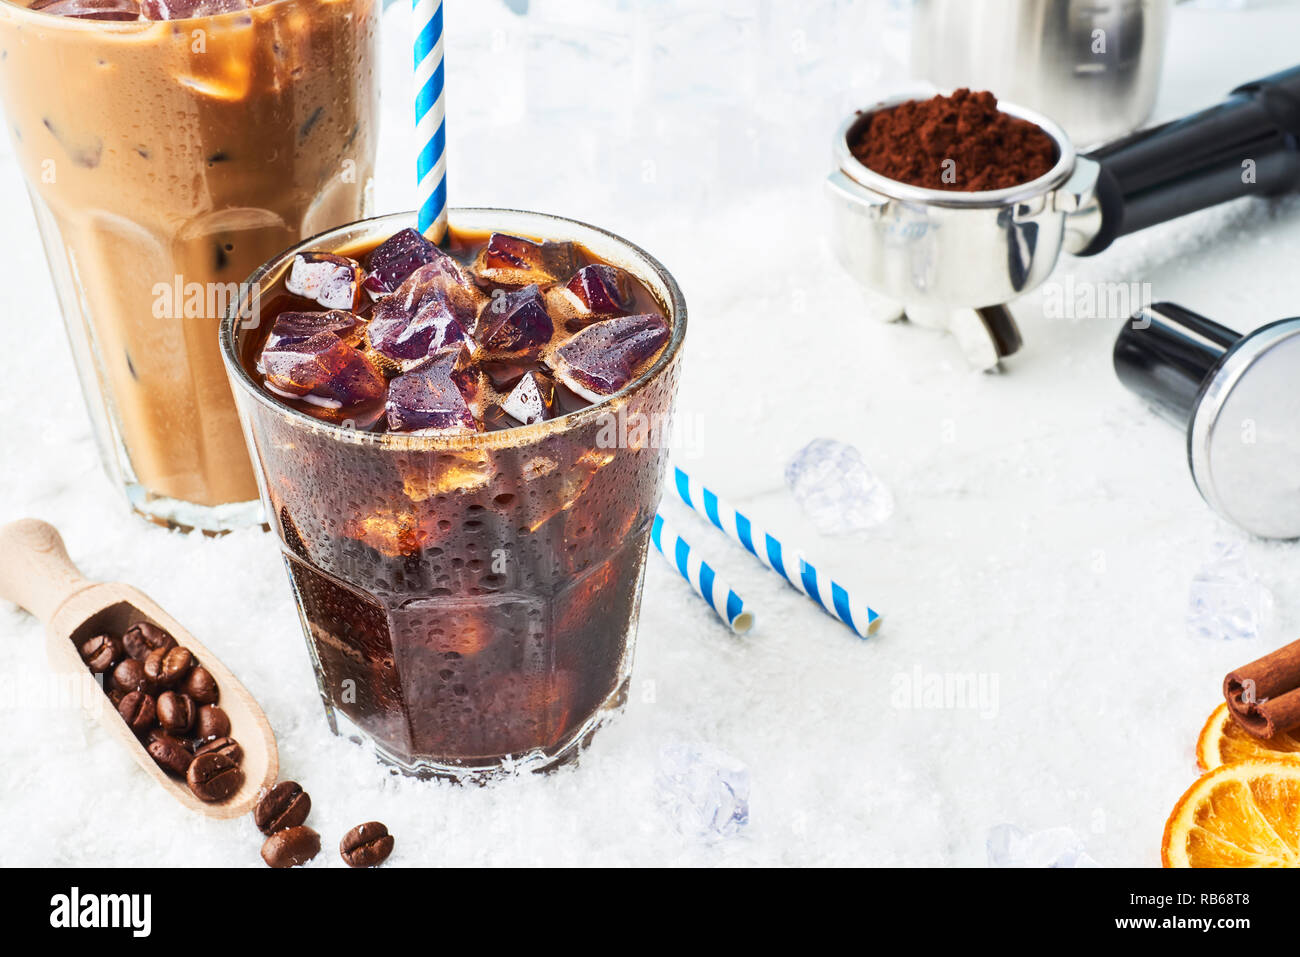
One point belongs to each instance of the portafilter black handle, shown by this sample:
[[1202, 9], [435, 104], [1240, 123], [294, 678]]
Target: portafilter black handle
[[1247, 145]]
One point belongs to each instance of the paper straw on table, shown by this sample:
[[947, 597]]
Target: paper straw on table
[[701, 576], [767, 549], [430, 119]]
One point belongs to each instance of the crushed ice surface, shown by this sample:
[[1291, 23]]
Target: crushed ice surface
[[1226, 599], [986, 570], [839, 494], [703, 790], [1010, 846]]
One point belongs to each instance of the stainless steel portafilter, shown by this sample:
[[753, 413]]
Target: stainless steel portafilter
[[1237, 396], [955, 259]]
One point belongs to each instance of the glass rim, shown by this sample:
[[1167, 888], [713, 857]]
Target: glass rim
[[123, 27], [240, 379]]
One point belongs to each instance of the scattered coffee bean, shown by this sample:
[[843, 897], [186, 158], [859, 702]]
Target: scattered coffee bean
[[285, 805], [144, 637], [129, 676], [102, 653], [138, 711], [366, 845], [212, 723], [176, 712], [116, 697], [227, 746], [166, 666], [200, 685], [170, 753], [291, 847], [213, 777]]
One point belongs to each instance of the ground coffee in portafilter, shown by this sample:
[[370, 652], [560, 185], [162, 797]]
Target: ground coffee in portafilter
[[169, 701], [961, 142]]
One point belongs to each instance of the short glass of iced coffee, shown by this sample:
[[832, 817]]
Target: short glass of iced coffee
[[461, 448]]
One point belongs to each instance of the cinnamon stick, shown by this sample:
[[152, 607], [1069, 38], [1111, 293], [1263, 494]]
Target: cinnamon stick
[[1264, 696]]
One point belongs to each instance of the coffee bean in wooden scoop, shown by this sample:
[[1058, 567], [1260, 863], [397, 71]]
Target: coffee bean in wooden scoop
[[143, 637], [102, 653], [213, 777]]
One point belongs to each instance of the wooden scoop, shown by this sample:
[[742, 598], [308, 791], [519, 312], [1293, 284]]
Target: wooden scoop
[[36, 573]]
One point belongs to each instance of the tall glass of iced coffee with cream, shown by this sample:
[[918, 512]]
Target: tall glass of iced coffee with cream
[[170, 147]]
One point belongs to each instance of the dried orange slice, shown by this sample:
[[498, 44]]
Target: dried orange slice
[[1244, 814], [1223, 741]]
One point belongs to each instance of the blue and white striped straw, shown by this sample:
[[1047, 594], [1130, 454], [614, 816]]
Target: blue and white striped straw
[[430, 118], [767, 549], [701, 576]]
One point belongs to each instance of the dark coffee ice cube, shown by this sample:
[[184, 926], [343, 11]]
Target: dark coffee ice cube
[[595, 291], [513, 261], [532, 399], [442, 279], [607, 355], [185, 9], [90, 9], [438, 397], [293, 327], [427, 314], [333, 281], [395, 259], [334, 380], [514, 325]]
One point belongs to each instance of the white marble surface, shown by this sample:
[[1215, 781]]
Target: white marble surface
[[1045, 534]]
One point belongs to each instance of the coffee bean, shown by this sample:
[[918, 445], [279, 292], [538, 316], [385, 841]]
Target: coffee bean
[[285, 805], [116, 696], [102, 652], [212, 723], [200, 685], [143, 637], [227, 746], [170, 753], [138, 710], [166, 666], [291, 847], [213, 777], [129, 676], [176, 712], [366, 845]]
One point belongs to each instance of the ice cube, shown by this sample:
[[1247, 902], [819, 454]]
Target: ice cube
[[704, 791], [90, 9], [514, 261], [532, 400], [438, 397], [514, 325], [593, 291], [836, 490], [1227, 600], [1009, 846], [186, 9], [325, 372], [607, 355], [393, 261], [291, 327], [438, 285], [405, 339], [333, 281]]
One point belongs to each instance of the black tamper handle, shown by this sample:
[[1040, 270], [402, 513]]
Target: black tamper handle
[[1165, 353], [1202, 160]]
